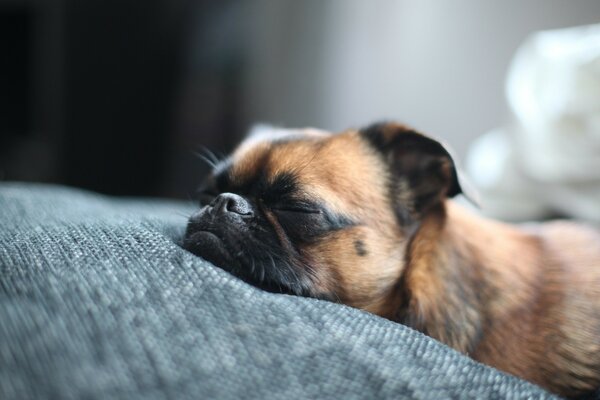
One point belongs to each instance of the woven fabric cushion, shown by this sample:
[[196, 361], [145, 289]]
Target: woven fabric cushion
[[98, 300]]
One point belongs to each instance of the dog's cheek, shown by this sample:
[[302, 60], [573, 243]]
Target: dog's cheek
[[358, 265]]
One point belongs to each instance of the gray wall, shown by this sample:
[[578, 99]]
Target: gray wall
[[437, 65]]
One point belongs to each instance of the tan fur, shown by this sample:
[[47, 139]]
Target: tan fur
[[524, 300], [533, 294]]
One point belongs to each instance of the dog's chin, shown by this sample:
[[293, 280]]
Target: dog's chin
[[214, 250], [210, 247]]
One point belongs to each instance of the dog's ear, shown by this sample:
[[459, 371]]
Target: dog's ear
[[423, 170]]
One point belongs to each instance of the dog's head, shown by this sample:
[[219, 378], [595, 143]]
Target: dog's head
[[316, 214]]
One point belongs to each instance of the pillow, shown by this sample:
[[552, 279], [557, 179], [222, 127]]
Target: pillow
[[98, 300]]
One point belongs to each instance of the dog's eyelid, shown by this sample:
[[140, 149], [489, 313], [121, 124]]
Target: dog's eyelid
[[297, 205], [305, 210]]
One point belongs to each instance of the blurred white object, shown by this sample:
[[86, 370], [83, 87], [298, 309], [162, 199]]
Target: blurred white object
[[548, 159]]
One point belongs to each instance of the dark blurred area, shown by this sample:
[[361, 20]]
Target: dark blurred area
[[116, 96], [105, 95]]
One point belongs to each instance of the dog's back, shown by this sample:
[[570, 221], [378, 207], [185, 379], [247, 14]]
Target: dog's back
[[554, 339]]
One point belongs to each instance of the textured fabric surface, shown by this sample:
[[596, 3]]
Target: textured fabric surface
[[97, 300]]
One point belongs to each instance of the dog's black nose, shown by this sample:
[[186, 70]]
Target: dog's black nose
[[231, 203]]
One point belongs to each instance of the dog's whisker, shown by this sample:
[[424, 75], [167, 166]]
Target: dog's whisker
[[208, 161], [212, 155], [183, 214]]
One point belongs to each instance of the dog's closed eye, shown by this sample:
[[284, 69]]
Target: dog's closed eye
[[297, 208]]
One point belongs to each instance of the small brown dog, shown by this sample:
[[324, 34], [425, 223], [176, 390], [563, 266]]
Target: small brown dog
[[363, 218]]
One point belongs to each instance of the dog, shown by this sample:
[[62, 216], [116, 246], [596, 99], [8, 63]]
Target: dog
[[364, 218]]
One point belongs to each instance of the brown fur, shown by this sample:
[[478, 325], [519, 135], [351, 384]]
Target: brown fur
[[524, 300]]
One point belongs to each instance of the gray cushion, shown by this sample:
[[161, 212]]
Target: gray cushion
[[97, 300]]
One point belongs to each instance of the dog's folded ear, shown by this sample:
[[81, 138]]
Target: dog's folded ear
[[423, 170]]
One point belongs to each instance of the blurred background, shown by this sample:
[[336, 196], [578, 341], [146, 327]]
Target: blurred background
[[116, 95]]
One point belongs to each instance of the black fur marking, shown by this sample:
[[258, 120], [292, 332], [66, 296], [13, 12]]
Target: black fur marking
[[310, 226], [361, 250], [281, 188]]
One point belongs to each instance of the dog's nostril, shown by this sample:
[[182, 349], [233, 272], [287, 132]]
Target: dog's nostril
[[232, 203], [233, 206]]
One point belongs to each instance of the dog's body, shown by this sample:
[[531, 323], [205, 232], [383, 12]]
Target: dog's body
[[363, 218], [526, 301]]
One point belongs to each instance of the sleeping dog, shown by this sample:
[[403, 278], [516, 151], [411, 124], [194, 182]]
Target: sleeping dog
[[363, 217]]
